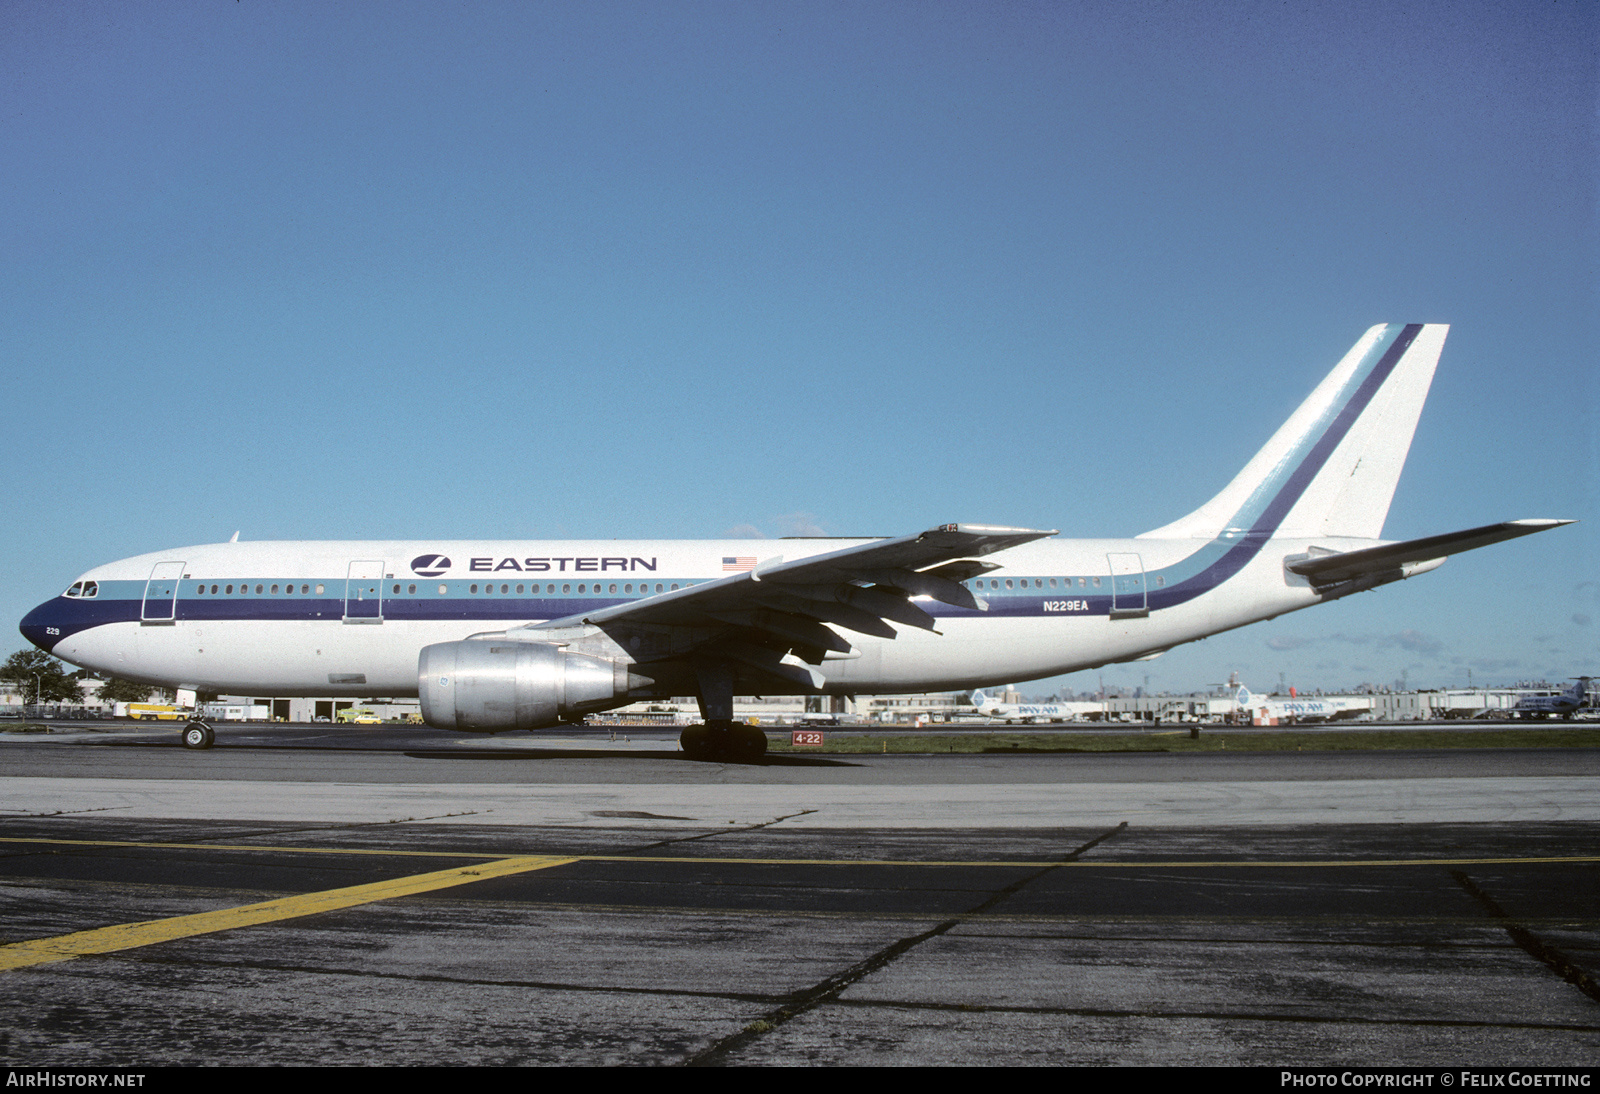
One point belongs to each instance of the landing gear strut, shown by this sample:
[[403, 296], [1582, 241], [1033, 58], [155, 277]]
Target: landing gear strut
[[197, 735], [719, 740]]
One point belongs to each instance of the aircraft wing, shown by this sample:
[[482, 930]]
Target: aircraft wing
[[1369, 561], [781, 614]]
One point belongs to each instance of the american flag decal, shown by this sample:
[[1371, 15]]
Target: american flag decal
[[743, 562]]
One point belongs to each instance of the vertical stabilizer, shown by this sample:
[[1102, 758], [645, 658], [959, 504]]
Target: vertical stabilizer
[[1331, 470]]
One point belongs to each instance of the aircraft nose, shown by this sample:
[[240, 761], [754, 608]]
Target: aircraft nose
[[42, 626]]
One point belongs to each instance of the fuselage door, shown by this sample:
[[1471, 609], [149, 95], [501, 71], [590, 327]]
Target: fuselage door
[[1127, 587], [161, 593], [363, 592]]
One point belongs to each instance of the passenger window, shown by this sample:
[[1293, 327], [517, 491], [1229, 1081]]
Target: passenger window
[[612, 589], [228, 589], [566, 588], [442, 589], [472, 588], [319, 590], [411, 590], [519, 590]]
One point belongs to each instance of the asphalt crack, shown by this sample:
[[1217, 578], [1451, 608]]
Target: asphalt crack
[[832, 987], [1541, 951]]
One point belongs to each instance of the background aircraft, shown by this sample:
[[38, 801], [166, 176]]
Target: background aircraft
[[1563, 705], [1321, 709], [1030, 713]]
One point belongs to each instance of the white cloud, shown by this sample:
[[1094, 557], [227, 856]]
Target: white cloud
[[799, 524]]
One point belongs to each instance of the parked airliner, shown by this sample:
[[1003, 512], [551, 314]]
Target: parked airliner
[[525, 635], [1265, 707], [1029, 713], [1563, 705]]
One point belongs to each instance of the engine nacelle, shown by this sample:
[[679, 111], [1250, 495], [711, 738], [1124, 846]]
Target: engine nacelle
[[485, 685]]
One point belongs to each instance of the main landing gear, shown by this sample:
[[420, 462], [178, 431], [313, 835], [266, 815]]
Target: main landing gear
[[720, 740], [197, 735]]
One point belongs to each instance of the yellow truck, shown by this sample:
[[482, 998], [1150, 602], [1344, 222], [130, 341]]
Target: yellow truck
[[359, 717], [152, 712]]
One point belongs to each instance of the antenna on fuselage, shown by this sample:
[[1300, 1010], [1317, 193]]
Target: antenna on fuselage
[[235, 538]]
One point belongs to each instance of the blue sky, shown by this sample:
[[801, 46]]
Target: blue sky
[[391, 270]]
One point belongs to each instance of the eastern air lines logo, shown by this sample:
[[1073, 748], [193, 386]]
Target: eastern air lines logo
[[429, 565]]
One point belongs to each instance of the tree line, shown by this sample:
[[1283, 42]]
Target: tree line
[[40, 678]]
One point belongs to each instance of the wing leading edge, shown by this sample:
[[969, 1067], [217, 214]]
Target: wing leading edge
[[780, 617]]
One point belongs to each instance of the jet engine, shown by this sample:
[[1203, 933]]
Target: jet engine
[[485, 685]]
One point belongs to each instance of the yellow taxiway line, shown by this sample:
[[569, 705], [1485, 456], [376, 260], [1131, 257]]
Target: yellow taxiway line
[[127, 936]]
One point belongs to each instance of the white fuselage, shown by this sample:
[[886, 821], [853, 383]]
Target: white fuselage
[[324, 622]]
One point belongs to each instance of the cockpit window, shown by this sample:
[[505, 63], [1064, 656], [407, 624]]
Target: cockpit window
[[83, 590]]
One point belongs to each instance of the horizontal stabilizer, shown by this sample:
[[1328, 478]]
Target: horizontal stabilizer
[[1347, 565]]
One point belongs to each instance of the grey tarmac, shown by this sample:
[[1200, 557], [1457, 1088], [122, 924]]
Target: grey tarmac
[[1279, 909]]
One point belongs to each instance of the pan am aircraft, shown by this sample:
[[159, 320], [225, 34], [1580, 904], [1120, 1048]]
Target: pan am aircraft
[[526, 635], [1296, 709], [1030, 713]]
